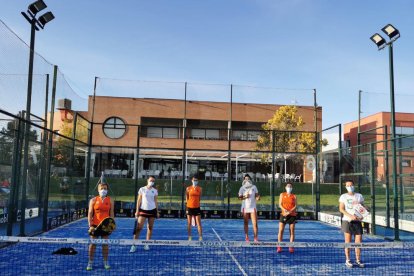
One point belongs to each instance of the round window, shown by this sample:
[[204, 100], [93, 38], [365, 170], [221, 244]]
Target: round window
[[114, 128]]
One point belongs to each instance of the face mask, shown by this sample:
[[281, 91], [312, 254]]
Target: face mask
[[195, 183], [103, 193], [247, 182], [152, 183], [350, 189], [288, 190]]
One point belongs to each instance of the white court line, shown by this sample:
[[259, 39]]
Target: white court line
[[231, 255]]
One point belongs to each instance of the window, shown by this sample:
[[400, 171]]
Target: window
[[239, 134], [114, 128], [198, 133], [406, 163], [212, 134], [154, 132], [170, 132], [253, 135]]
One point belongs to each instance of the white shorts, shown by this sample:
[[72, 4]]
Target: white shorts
[[248, 210]]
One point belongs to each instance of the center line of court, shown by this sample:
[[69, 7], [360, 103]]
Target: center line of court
[[231, 255]]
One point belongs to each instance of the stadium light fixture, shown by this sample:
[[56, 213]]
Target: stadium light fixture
[[379, 41], [30, 15], [393, 35], [36, 7], [45, 18], [391, 32]]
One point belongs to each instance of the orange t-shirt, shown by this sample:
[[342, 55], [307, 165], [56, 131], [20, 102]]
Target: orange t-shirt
[[101, 209], [288, 202], [194, 194]]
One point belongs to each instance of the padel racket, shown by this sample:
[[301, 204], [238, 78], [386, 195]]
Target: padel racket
[[360, 211], [105, 228]]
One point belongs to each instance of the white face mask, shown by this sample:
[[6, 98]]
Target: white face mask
[[151, 183], [288, 190], [103, 193], [195, 183], [350, 189], [247, 183]]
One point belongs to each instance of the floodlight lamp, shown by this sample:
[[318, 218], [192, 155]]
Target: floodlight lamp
[[391, 31], [45, 18], [379, 41], [36, 7]]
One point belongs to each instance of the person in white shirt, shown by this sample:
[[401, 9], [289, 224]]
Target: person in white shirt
[[147, 208], [249, 194], [351, 224]]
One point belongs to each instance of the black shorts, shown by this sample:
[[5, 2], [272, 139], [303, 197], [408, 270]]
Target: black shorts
[[193, 211], [148, 213], [353, 227], [288, 219]]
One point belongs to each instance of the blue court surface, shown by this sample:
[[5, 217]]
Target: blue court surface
[[213, 258]]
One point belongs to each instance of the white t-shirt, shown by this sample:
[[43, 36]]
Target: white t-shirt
[[250, 191], [350, 201], [148, 198]]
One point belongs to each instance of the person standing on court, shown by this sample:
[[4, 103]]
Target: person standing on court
[[351, 224], [100, 207], [193, 197], [147, 209], [249, 194], [288, 204]]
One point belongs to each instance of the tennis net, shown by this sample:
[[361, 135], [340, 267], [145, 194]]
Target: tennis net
[[69, 256]]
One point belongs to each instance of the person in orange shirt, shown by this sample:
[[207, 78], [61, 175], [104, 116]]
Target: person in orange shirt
[[100, 207], [193, 196], [287, 203]]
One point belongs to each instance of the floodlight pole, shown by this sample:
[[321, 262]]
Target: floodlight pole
[[393, 143], [27, 126]]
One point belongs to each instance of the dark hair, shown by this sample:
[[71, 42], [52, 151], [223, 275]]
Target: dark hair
[[151, 176], [194, 176], [103, 183], [349, 180], [247, 175]]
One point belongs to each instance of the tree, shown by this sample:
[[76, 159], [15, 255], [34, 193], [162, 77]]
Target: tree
[[289, 135], [63, 148], [8, 137]]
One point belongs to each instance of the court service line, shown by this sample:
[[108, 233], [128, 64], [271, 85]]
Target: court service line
[[231, 255]]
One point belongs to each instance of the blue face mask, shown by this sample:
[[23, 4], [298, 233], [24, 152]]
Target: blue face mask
[[350, 189], [195, 183]]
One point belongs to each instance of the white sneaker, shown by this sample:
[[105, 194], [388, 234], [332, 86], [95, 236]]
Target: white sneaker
[[360, 264], [146, 247], [190, 238], [133, 249], [349, 264]]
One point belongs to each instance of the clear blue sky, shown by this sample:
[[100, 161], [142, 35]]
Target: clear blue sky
[[322, 44]]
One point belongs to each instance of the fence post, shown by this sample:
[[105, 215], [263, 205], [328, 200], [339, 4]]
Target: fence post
[[372, 180]]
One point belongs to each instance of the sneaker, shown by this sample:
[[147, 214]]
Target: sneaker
[[146, 247], [247, 239], [348, 264], [279, 249], [360, 264], [133, 249], [200, 238], [106, 265], [89, 267], [190, 238], [291, 250], [256, 240]]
